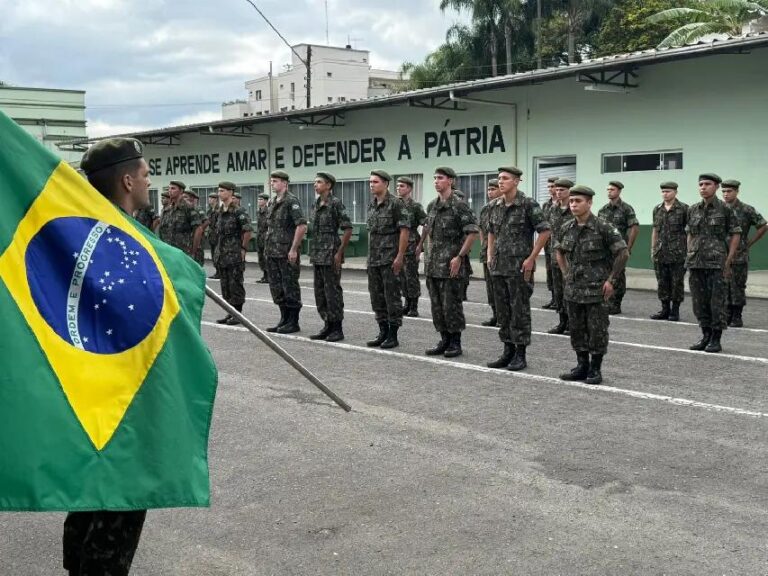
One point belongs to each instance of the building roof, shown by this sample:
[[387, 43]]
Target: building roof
[[614, 63]]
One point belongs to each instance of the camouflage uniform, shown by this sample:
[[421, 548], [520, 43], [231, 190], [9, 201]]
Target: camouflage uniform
[[101, 543], [230, 225], [409, 275], [327, 220], [199, 256], [623, 217], [558, 218], [284, 215], [178, 224], [513, 228], [709, 227], [384, 223], [212, 215], [747, 217], [261, 238], [146, 216], [669, 251], [546, 208], [485, 215], [448, 224]]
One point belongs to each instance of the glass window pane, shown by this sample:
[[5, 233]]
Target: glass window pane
[[611, 163], [673, 161], [642, 162]]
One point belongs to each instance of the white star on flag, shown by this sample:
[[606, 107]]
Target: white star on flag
[[130, 307], [109, 332]]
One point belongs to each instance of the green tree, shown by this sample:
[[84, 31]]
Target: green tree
[[485, 17], [708, 17]]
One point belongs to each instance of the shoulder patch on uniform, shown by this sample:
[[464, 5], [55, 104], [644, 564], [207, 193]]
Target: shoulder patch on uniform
[[295, 206]]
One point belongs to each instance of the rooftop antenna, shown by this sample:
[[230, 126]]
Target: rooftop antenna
[[352, 41]]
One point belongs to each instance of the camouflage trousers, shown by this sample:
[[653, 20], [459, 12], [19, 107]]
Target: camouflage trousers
[[384, 288], [233, 284], [558, 289], [489, 291], [671, 281], [548, 262], [513, 308], [619, 288], [284, 282], [199, 255], [409, 277], [329, 296], [262, 259], [709, 291], [101, 543], [445, 298], [737, 285], [588, 326], [214, 255]]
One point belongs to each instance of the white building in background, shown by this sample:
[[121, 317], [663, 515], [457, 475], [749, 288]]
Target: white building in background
[[338, 75]]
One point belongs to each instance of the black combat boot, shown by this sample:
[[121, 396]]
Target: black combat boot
[[283, 315], [662, 314], [518, 361], [714, 342], [224, 320], [492, 321], [505, 358], [454, 345], [595, 376], [391, 341], [561, 327], [615, 308], [581, 370], [232, 321], [291, 323], [323, 334], [736, 321], [263, 279], [214, 276], [441, 346], [413, 308], [383, 330], [336, 332], [674, 312], [702, 344], [549, 305]]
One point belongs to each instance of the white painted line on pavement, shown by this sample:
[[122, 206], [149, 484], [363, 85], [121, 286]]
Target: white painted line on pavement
[[523, 375]]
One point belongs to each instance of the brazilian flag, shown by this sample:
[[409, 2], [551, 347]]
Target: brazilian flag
[[106, 386]]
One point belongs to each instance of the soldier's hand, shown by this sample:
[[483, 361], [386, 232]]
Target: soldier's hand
[[727, 270], [607, 290], [455, 266], [337, 258], [242, 254], [293, 255], [527, 269], [417, 253], [397, 265]]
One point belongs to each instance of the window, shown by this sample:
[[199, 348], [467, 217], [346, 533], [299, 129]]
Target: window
[[330, 98], [329, 74], [342, 99], [643, 161], [293, 87], [202, 193], [250, 201], [154, 199], [475, 188], [258, 94], [355, 194]]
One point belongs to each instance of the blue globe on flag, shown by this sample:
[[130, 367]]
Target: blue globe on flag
[[94, 284]]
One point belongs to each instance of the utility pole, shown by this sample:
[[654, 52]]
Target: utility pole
[[327, 38], [309, 75], [538, 34]]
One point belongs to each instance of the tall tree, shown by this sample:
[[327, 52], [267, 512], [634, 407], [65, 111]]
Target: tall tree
[[485, 15]]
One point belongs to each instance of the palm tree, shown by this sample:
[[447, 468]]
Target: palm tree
[[485, 15], [711, 17], [578, 13]]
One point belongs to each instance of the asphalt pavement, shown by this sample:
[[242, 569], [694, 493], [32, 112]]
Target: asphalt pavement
[[448, 467]]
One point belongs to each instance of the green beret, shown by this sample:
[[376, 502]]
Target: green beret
[[582, 191], [381, 174], [563, 183], [669, 185], [191, 192], [165, 194], [617, 184], [213, 195], [446, 171], [281, 175], [731, 184], [511, 170], [178, 183], [406, 180], [264, 196], [110, 152], [710, 176], [228, 185], [238, 195], [552, 179], [328, 177], [493, 183]]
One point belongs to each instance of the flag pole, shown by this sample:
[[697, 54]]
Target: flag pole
[[261, 335]]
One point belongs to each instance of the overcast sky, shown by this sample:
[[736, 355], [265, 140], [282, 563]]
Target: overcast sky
[[158, 63]]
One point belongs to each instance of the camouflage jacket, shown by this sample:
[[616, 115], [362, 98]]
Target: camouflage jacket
[[261, 227], [212, 215], [230, 226], [622, 216], [448, 224], [558, 217], [748, 217], [178, 224], [327, 220], [483, 221], [146, 216], [709, 227], [670, 225], [416, 217], [589, 251], [384, 223], [513, 229], [546, 208], [284, 215]]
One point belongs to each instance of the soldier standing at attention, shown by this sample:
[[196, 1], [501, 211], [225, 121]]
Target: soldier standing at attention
[[191, 197], [326, 254], [233, 232], [165, 200], [147, 217], [493, 193], [286, 227], [668, 248], [180, 224], [591, 254], [747, 217], [210, 232], [546, 208], [623, 217], [261, 236], [388, 231], [512, 260], [710, 258], [559, 215], [451, 229], [409, 275]]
